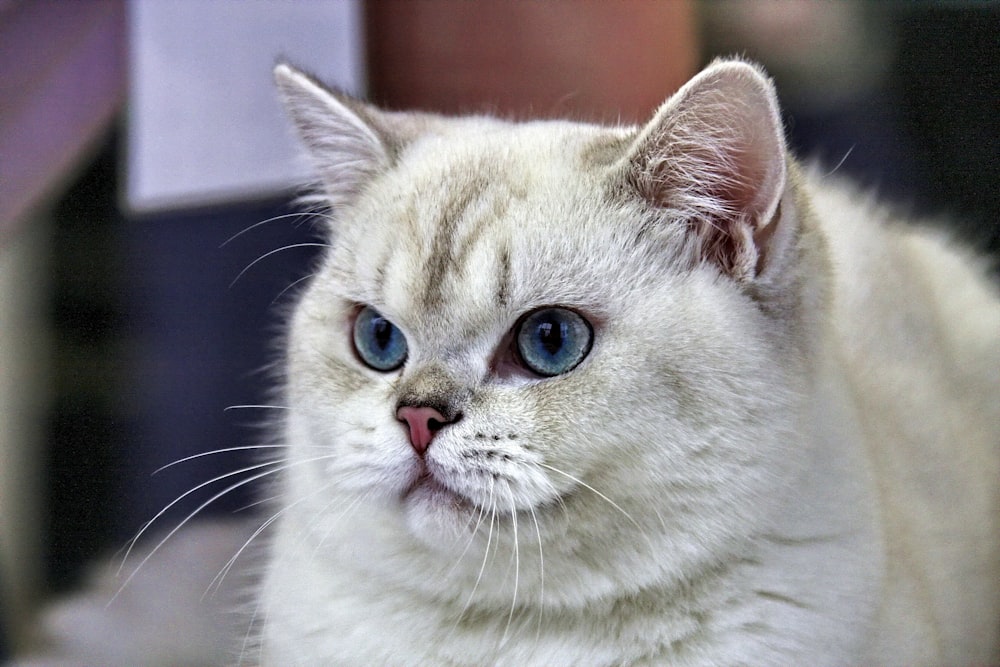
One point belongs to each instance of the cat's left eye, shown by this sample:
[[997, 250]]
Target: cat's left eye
[[552, 341], [378, 342]]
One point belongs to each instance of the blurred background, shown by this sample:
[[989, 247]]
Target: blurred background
[[141, 143]]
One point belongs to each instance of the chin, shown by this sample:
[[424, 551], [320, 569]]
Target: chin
[[439, 517]]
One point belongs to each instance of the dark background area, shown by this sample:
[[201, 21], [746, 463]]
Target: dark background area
[[154, 340], [948, 81]]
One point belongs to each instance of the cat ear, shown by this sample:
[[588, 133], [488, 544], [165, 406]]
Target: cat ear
[[714, 154], [340, 133]]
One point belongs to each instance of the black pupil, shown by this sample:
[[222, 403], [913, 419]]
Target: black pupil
[[382, 331], [551, 336]]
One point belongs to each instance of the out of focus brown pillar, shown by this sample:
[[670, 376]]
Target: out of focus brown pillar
[[585, 59]]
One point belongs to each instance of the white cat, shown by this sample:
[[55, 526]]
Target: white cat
[[562, 394]]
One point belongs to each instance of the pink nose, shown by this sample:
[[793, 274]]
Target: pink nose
[[424, 422]]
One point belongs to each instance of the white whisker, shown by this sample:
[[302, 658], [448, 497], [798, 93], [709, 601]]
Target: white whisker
[[274, 467], [290, 286], [469, 542], [256, 610], [335, 520], [299, 214], [601, 496], [517, 566], [541, 575], [262, 528], [217, 581], [181, 497], [842, 161], [482, 567], [212, 452], [275, 251], [250, 626], [256, 503], [183, 523]]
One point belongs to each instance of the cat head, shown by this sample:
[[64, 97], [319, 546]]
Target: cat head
[[548, 338]]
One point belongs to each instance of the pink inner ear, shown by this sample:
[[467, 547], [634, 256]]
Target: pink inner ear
[[736, 238], [762, 238], [715, 156], [728, 212]]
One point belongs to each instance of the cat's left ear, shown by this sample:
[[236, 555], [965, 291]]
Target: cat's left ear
[[342, 134], [714, 156]]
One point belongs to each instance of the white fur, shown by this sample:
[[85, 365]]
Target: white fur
[[782, 448]]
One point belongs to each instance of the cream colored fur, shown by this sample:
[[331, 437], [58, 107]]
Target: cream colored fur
[[782, 448]]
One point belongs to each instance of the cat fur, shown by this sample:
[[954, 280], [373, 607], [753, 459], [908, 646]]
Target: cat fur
[[782, 448]]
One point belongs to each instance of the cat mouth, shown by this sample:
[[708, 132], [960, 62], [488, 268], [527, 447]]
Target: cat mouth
[[427, 488]]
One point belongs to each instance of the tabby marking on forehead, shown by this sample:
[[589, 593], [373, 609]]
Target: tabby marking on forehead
[[443, 254], [503, 278], [471, 216]]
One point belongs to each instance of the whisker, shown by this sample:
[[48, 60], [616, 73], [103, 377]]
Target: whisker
[[274, 467], [256, 503], [290, 286], [541, 575], [298, 214], [517, 566], [486, 556], [468, 544], [250, 627], [219, 578], [256, 610], [599, 495], [183, 523], [256, 407], [335, 521], [275, 251], [260, 529], [842, 161], [148, 524], [217, 451]]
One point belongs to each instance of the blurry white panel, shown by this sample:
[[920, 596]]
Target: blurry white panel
[[204, 123]]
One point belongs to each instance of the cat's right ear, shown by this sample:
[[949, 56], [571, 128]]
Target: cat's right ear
[[341, 133]]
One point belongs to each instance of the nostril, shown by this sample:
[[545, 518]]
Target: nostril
[[435, 425]]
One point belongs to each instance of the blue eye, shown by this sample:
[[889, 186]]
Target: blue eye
[[377, 341], [552, 341]]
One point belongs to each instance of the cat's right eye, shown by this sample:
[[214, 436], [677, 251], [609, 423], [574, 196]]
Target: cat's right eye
[[378, 342]]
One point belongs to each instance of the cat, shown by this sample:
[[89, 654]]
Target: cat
[[562, 394]]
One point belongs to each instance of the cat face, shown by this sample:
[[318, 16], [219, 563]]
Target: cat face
[[515, 345]]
